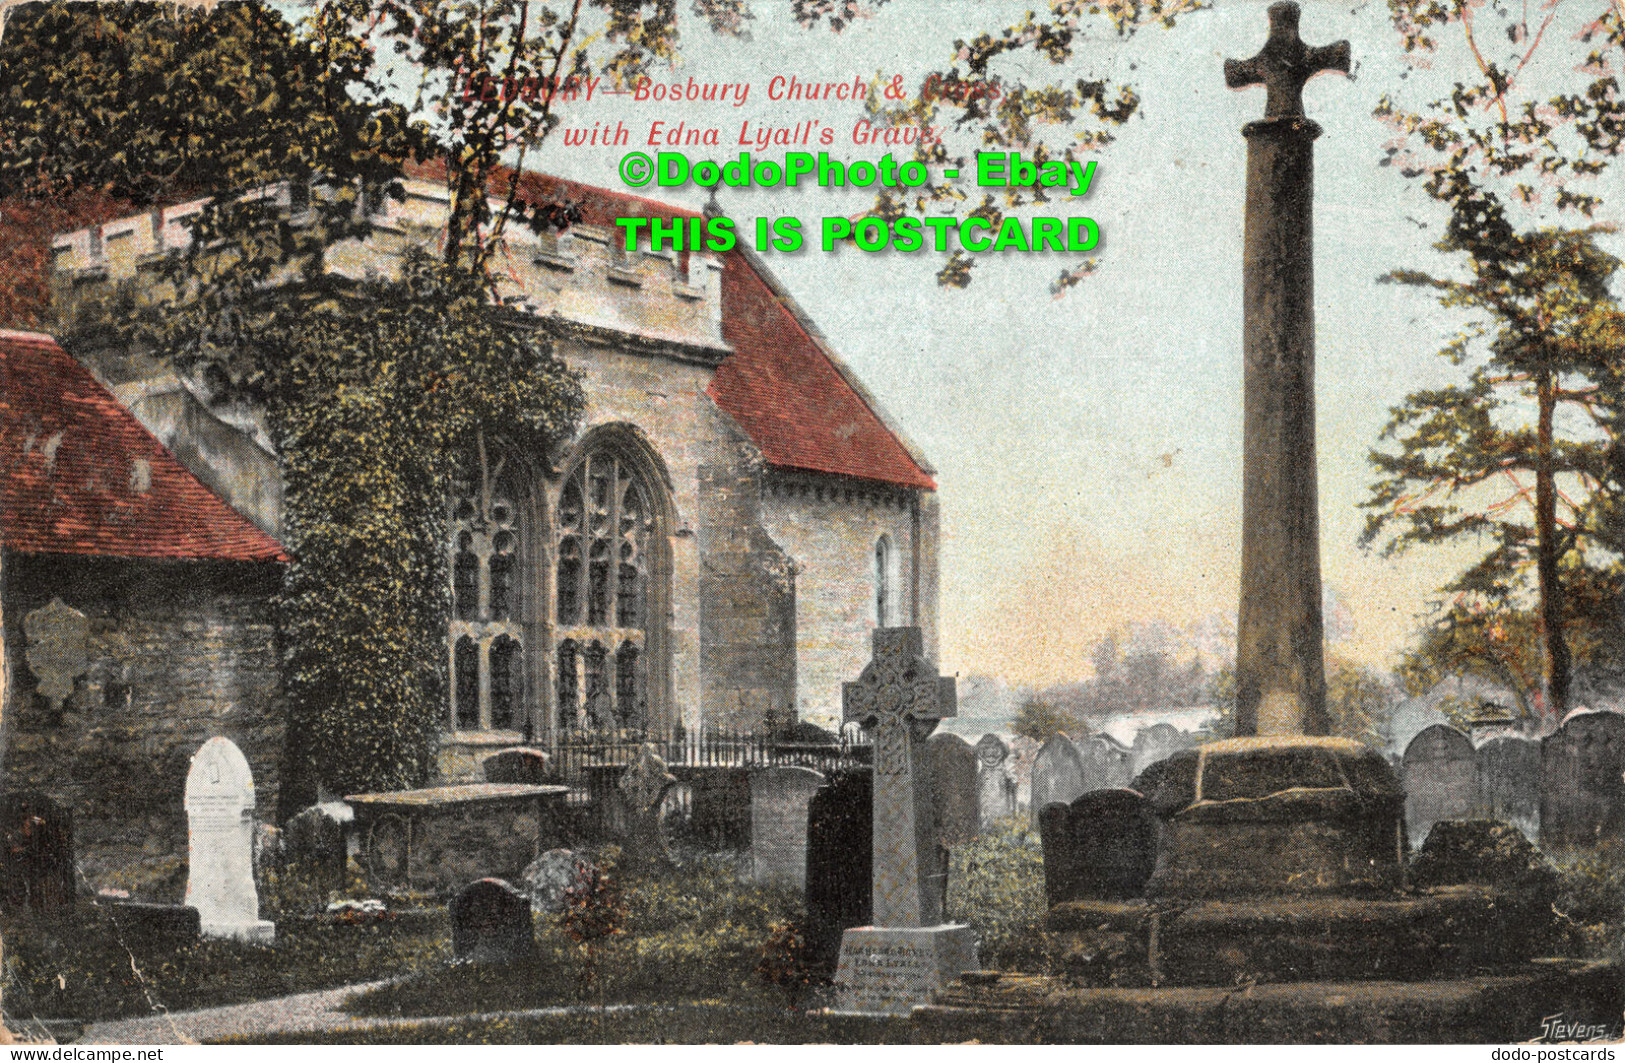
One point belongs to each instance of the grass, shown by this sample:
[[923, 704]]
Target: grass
[[696, 1024], [684, 969], [81, 966], [692, 933]]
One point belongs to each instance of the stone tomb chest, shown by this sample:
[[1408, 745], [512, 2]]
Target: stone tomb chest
[[442, 837], [1283, 814]]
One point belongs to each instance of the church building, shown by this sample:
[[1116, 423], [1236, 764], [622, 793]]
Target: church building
[[733, 517]]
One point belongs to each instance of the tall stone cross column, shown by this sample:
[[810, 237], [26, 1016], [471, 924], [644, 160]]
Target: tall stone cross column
[[1280, 676], [900, 698]]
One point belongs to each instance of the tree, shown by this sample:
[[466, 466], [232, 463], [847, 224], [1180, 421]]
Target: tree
[[1492, 459], [1358, 700], [1137, 671], [91, 98], [1041, 720], [1469, 639], [1519, 141]]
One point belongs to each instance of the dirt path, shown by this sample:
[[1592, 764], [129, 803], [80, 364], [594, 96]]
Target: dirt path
[[300, 1013]]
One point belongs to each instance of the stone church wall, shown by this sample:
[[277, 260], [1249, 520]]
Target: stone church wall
[[829, 526], [733, 621], [178, 652], [748, 598]]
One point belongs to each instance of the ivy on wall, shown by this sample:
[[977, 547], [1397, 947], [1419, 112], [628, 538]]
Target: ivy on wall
[[374, 396]]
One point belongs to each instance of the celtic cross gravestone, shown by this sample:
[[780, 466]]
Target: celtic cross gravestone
[[907, 954]]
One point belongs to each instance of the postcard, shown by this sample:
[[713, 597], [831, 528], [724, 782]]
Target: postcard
[[838, 521]]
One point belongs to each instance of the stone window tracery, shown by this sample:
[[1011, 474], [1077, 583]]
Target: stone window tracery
[[605, 528], [487, 533]]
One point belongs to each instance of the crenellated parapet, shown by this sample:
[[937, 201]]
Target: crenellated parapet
[[580, 283]]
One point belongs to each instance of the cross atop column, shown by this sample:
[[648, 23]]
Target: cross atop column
[[1285, 63], [1280, 674], [900, 698]]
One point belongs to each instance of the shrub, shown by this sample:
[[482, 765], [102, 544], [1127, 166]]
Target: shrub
[[1591, 897], [996, 884], [783, 962]]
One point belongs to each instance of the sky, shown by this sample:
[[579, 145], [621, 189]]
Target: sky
[[1088, 448]]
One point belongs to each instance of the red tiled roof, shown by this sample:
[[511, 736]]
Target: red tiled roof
[[80, 475], [779, 385]]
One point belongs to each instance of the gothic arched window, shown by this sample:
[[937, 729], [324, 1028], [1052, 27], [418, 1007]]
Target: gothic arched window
[[605, 529], [488, 532]]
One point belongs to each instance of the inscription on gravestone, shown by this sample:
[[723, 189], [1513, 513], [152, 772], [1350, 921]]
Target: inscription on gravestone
[[220, 822]]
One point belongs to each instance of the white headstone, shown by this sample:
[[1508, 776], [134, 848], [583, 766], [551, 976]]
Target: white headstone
[[994, 784], [778, 823], [220, 823]]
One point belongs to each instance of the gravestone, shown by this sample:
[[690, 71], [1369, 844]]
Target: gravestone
[[642, 788], [839, 868], [317, 842], [1440, 775], [528, 766], [1059, 775], [1151, 744], [491, 923], [220, 822], [1106, 764], [1582, 794], [1509, 783], [1102, 846], [778, 824], [36, 853], [953, 789], [995, 787], [549, 875], [908, 954]]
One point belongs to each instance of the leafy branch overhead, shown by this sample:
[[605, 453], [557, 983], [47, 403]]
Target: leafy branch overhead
[[982, 100]]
